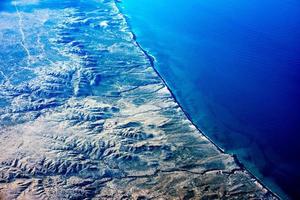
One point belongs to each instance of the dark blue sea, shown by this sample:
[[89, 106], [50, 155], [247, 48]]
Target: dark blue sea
[[234, 67]]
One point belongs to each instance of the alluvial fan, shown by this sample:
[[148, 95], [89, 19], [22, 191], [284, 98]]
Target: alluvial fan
[[83, 115]]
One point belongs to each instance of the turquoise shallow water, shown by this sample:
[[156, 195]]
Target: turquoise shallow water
[[234, 67]]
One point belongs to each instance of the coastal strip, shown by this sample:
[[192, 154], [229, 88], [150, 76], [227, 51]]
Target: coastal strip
[[98, 122]]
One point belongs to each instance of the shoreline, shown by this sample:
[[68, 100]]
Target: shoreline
[[152, 63]]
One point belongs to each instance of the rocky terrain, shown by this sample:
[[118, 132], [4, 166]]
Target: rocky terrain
[[83, 114]]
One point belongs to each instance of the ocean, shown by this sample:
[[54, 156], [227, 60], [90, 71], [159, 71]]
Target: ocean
[[234, 68]]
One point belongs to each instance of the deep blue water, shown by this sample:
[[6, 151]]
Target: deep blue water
[[234, 67]]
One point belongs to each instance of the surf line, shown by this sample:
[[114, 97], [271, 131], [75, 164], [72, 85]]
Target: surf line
[[22, 34]]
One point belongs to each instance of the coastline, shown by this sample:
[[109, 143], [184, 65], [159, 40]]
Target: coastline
[[95, 121], [152, 62]]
